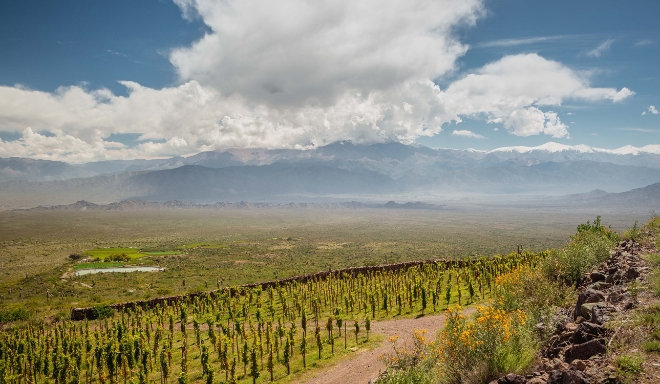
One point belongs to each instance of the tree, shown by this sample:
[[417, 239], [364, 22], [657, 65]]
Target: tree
[[287, 356], [303, 350], [254, 368], [319, 342], [245, 357], [270, 364]]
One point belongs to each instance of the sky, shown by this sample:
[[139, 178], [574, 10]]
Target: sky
[[87, 81]]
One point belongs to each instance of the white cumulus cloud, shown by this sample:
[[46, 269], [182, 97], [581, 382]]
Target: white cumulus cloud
[[466, 133], [513, 90], [296, 52], [651, 110]]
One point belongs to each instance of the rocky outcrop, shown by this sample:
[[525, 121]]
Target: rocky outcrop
[[580, 336]]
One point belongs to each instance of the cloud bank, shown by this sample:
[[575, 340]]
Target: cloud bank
[[292, 74]]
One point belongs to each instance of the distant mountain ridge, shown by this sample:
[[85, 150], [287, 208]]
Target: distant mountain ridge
[[392, 159], [337, 169], [139, 205], [648, 196]]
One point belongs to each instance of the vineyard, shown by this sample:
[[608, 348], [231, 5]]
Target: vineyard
[[257, 333]]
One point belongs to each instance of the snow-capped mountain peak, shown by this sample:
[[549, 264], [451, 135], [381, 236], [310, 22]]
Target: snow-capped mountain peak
[[552, 147]]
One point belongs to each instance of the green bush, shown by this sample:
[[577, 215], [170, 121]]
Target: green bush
[[589, 247], [416, 364], [629, 367], [117, 257], [632, 233], [493, 343], [15, 314], [102, 312], [423, 373], [654, 344]]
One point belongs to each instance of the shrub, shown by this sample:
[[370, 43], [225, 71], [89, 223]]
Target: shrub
[[590, 246], [75, 256], [416, 364], [632, 233], [629, 367], [654, 344], [496, 342], [14, 314], [61, 316], [527, 289], [102, 312], [117, 257]]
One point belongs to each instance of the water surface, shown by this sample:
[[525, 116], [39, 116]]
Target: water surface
[[90, 271]]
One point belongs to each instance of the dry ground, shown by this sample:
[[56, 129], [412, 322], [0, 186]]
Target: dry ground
[[362, 368]]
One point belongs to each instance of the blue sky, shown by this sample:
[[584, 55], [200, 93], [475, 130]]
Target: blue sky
[[566, 31], [276, 74]]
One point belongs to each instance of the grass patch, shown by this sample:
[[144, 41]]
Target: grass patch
[[14, 314], [629, 367], [161, 253], [206, 245], [104, 253], [651, 316]]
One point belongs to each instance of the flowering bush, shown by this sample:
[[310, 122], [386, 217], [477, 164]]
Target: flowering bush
[[526, 289], [495, 342], [416, 363]]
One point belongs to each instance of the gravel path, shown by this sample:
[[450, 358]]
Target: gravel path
[[363, 367]]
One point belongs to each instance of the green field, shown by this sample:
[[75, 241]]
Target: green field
[[103, 253], [161, 253], [133, 253], [208, 245]]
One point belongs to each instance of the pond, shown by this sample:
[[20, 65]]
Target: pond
[[90, 271]]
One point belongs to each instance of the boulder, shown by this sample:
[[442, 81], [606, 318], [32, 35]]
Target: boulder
[[630, 275], [597, 276], [586, 309], [585, 350], [579, 365], [600, 285], [573, 377], [596, 297], [614, 277], [599, 313], [536, 380], [555, 377], [587, 331], [615, 297], [512, 378], [596, 312], [586, 297]]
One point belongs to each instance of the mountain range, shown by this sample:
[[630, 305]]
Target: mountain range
[[337, 169]]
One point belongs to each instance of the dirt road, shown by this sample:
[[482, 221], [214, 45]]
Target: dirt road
[[363, 367]]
